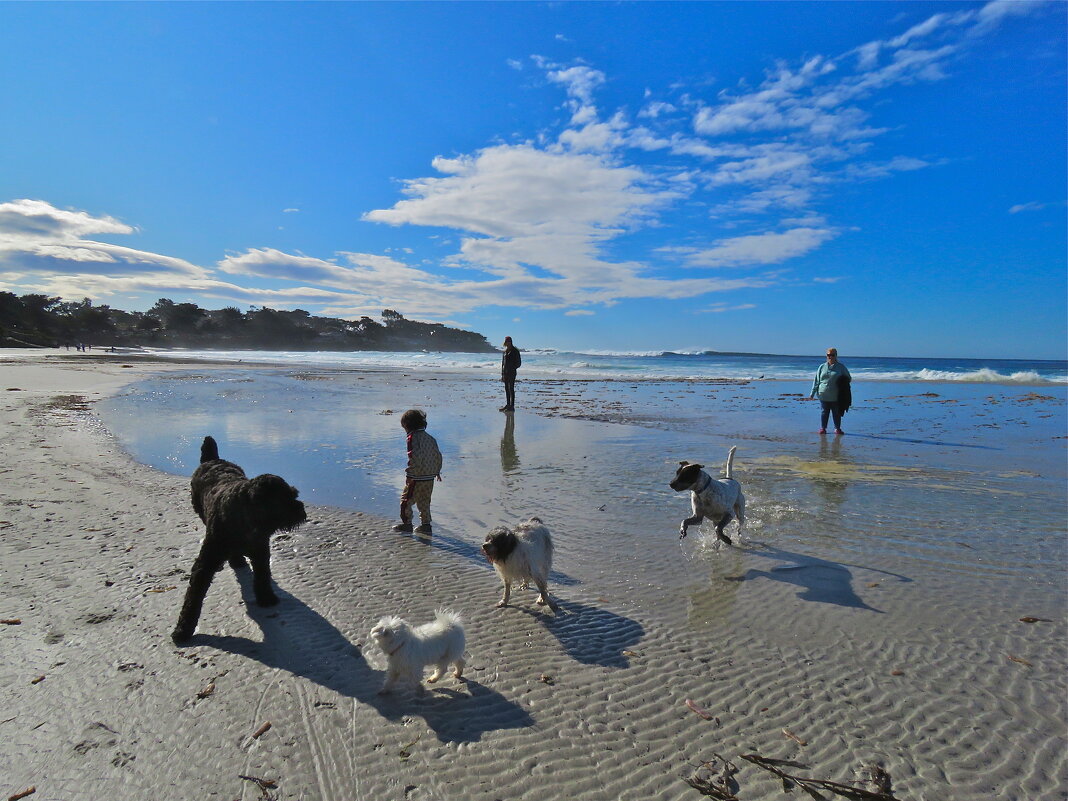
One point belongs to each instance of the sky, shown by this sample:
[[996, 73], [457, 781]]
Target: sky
[[886, 178]]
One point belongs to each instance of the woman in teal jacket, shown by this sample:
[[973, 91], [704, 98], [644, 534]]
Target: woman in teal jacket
[[825, 387]]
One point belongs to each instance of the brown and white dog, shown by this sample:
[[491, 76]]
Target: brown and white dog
[[720, 500], [522, 554]]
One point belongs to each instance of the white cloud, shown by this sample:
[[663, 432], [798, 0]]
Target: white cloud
[[37, 237], [290, 211], [38, 219], [656, 109], [718, 308], [1032, 206], [580, 313], [766, 248]]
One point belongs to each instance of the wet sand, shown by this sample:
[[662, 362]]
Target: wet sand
[[841, 619]]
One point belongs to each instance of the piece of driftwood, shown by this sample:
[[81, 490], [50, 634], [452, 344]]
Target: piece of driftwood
[[699, 711], [262, 730], [11, 621], [1022, 620], [22, 793], [717, 783], [1018, 660], [794, 737], [263, 784], [813, 786], [406, 753]]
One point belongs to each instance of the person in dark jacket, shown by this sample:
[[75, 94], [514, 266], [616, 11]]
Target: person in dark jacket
[[510, 362]]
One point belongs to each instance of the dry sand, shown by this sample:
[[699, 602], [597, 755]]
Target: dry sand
[[591, 704]]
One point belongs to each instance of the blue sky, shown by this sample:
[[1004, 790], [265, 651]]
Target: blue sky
[[889, 178]]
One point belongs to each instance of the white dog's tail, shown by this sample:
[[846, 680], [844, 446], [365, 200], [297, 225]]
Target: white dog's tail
[[730, 462], [448, 618]]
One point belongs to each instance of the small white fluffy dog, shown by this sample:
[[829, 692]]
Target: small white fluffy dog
[[410, 650], [522, 554]]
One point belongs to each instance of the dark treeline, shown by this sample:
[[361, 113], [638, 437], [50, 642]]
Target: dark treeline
[[42, 321]]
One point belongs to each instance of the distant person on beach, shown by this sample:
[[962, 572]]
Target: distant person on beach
[[831, 386], [510, 362], [424, 465]]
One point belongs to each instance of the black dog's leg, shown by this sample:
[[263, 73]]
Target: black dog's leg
[[205, 567], [261, 574]]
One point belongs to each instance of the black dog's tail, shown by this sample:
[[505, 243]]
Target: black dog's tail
[[209, 450]]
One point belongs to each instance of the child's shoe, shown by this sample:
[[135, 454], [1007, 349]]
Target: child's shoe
[[405, 527]]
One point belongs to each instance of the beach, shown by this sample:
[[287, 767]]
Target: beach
[[872, 613]]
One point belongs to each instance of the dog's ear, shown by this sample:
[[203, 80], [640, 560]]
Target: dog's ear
[[683, 463], [698, 466]]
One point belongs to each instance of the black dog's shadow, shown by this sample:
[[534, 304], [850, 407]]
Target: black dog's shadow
[[588, 634], [299, 640], [458, 547], [819, 580]]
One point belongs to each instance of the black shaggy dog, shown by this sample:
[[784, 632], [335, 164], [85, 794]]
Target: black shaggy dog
[[240, 514]]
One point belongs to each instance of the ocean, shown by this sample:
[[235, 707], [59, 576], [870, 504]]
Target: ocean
[[664, 365]]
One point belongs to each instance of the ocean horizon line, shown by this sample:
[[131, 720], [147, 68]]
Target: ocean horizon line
[[651, 365]]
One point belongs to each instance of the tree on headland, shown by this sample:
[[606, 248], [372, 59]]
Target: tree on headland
[[40, 320]]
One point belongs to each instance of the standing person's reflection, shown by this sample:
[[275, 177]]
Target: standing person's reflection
[[831, 482], [509, 456]]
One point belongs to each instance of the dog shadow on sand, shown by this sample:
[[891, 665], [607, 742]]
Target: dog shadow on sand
[[819, 580], [588, 634], [299, 640]]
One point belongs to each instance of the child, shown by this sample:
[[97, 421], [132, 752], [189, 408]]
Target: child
[[424, 465]]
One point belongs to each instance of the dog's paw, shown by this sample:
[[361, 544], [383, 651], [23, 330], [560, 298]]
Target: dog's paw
[[550, 603], [267, 600], [682, 533], [501, 604], [180, 635]]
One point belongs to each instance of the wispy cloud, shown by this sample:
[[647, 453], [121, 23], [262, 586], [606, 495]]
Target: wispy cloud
[[719, 308], [765, 248], [1032, 206]]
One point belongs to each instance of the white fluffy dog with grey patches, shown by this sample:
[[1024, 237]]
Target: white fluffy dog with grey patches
[[522, 554], [409, 650]]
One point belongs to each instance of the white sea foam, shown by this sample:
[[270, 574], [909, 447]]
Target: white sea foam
[[654, 366]]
